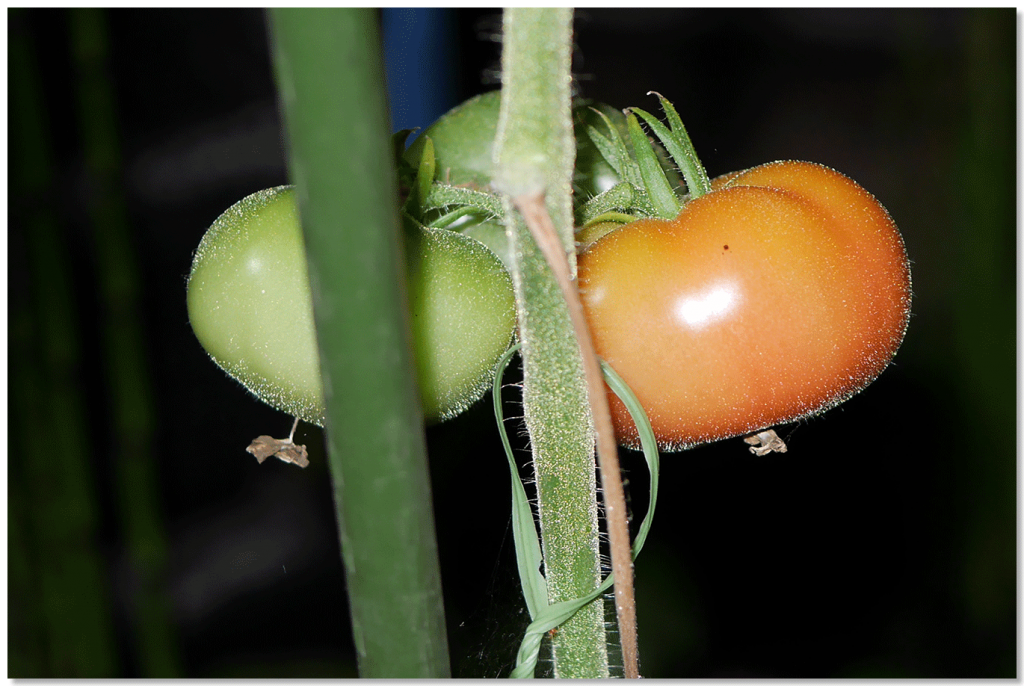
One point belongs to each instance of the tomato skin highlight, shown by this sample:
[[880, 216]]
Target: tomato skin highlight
[[775, 297]]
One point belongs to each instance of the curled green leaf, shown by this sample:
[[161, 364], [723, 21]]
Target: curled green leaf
[[528, 553]]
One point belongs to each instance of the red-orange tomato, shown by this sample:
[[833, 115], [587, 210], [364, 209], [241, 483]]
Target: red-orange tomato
[[776, 296]]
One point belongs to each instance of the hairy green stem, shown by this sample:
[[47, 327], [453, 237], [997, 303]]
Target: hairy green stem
[[533, 211], [534, 153]]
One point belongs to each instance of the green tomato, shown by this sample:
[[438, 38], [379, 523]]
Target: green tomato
[[463, 318], [250, 306], [464, 139]]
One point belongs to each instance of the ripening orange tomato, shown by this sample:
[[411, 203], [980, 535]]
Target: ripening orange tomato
[[776, 296]]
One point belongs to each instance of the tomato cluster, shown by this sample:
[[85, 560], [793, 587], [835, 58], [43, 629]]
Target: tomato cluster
[[250, 306], [760, 298], [779, 294]]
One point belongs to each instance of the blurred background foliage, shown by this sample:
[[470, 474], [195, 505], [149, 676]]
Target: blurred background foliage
[[144, 541]]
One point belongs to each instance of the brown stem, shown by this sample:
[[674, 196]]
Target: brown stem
[[535, 214]]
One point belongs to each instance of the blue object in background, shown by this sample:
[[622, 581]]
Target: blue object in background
[[420, 64]]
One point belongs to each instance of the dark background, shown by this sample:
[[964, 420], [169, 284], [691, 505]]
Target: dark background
[[882, 544]]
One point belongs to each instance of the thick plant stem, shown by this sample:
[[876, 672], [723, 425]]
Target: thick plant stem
[[561, 438], [534, 154], [535, 215], [330, 76]]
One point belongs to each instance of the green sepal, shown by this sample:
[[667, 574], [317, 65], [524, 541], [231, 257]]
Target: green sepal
[[416, 203], [614, 151], [441, 196], [410, 224], [615, 217], [405, 171], [622, 196], [445, 221], [606, 224], [398, 139], [677, 143], [665, 202], [607, 149]]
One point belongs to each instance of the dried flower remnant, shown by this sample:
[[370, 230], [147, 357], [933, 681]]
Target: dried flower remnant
[[284, 449], [765, 442]]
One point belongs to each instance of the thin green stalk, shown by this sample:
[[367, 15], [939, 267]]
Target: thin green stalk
[[534, 152], [55, 559], [124, 351], [330, 79]]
